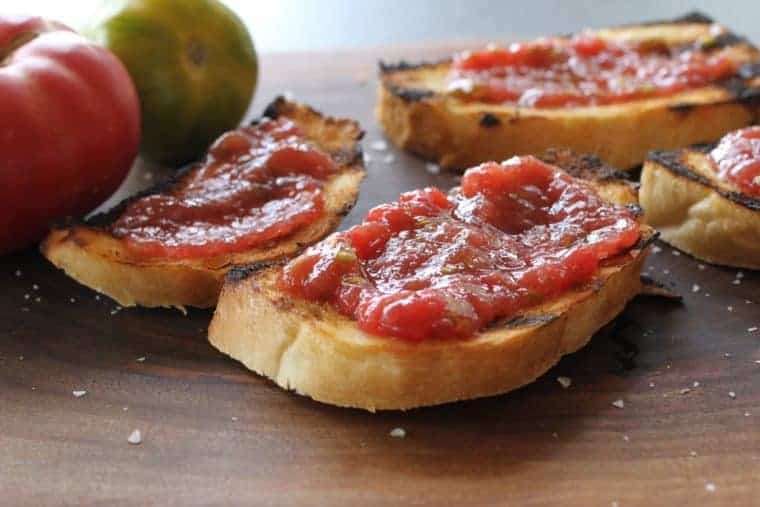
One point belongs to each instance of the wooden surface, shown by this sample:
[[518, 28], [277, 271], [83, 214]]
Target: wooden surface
[[215, 434]]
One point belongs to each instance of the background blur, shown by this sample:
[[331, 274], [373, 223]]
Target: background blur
[[287, 25]]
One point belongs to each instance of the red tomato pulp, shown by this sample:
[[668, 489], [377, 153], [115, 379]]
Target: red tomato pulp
[[582, 71], [737, 158], [256, 185], [432, 266]]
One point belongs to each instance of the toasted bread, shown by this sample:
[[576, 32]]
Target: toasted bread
[[90, 254], [419, 115], [698, 213], [313, 350]]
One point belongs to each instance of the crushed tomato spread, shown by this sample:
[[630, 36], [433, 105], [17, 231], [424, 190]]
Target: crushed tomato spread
[[432, 265], [737, 158], [256, 185], [583, 71]]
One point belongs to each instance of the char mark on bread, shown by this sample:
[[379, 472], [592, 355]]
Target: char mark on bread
[[673, 162]]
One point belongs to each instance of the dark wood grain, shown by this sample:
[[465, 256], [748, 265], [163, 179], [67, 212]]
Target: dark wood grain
[[215, 434]]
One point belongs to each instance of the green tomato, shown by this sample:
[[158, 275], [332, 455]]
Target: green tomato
[[193, 64]]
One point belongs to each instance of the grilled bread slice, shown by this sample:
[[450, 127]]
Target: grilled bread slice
[[698, 213], [418, 114], [90, 254], [315, 351]]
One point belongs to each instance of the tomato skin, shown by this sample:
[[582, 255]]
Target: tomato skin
[[194, 65], [69, 126]]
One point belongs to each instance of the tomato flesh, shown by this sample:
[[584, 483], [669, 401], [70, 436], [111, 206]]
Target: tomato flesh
[[257, 184], [582, 71], [737, 158], [434, 266]]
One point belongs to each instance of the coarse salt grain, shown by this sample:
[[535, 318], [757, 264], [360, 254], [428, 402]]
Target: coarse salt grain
[[18, 273], [651, 384], [135, 438], [618, 404], [72, 300], [696, 383], [389, 158], [701, 267], [656, 249], [740, 275], [695, 288], [666, 271], [738, 281], [730, 308], [731, 394], [432, 168], [140, 359], [693, 454], [564, 381], [685, 390], [710, 487], [626, 438], [398, 433], [78, 394], [35, 287], [752, 329], [676, 253], [379, 145]]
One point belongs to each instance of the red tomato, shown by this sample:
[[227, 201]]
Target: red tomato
[[69, 126]]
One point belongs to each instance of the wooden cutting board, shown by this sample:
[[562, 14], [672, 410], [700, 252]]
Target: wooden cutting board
[[688, 374]]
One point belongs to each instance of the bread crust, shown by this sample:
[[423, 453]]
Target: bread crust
[[91, 255], [697, 213], [313, 350], [420, 117]]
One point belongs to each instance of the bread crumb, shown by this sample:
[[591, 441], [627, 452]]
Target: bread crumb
[[234, 418], [618, 404], [78, 394], [752, 329], [685, 390], [379, 145], [710, 487], [135, 438], [555, 435], [747, 414], [398, 433], [731, 394], [693, 454], [565, 382]]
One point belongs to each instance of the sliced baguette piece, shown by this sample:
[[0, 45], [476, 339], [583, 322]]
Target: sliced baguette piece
[[698, 213], [91, 255], [418, 114], [315, 351]]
